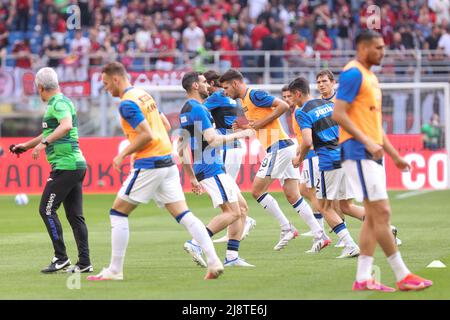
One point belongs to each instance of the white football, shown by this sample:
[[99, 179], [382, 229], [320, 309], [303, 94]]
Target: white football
[[21, 199]]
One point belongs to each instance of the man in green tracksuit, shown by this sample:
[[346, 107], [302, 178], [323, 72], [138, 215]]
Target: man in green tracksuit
[[59, 138]]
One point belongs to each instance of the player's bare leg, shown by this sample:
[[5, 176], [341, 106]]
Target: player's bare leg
[[248, 223], [347, 207]]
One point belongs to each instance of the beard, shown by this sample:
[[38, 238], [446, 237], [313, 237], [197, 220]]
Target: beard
[[204, 95]]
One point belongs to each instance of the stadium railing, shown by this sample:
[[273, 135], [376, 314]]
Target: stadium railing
[[275, 67]]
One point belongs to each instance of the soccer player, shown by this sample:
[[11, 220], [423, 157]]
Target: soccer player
[[59, 139], [224, 111], [310, 166], [154, 174], [363, 142], [201, 139], [262, 111], [326, 83], [320, 131]]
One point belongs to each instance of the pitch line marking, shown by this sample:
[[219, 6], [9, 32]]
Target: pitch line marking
[[413, 194]]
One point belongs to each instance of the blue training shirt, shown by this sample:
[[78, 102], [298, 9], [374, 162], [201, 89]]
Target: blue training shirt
[[316, 115], [195, 118], [224, 111]]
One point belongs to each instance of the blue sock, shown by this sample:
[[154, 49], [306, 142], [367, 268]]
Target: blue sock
[[209, 232], [232, 249]]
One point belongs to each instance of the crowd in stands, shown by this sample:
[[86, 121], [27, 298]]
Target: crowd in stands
[[131, 28]]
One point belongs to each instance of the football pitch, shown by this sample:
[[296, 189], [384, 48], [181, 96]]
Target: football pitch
[[156, 266]]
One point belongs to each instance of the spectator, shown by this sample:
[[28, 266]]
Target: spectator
[[223, 43], [424, 23], [407, 37], [143, 37], [4, 34], [85, 8], [95, 55], [131, 23], [444, 42], [258, 33], [322, 16], [406, 14], [24, 9], [22, 54], [431, 42], [304, 30], [287, 16], [78, 62], [441, 8], [274, 42], [55, 53], [181, 9], [323, 44], [344, 24], [256, 7], [210, 20], [193, 38], [296, 49], [166, 46], [431, 133], [119, 11]]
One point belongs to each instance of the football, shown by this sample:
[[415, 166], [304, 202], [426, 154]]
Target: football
[[21, 199]]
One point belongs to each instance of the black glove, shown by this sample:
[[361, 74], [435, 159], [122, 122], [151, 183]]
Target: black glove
[[16, 150]]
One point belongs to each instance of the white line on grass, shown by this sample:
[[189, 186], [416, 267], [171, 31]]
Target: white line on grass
[[412, 194]]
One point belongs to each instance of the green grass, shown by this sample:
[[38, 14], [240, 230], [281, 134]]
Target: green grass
[[157, 267]]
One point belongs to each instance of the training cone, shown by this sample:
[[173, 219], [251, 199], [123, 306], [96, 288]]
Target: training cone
[[436, 264]]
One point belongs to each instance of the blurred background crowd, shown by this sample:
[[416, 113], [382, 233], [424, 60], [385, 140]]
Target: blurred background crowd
[[174, 31]]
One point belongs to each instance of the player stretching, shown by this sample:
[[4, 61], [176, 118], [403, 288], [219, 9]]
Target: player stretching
[[320, 131], [224, 111], [363, 142], [200, 139], [263, 111], [154, 174], [325, 83], [310, 166]]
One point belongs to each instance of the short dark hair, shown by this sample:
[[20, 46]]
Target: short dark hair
[[231, 74], [212, 76], [285, 88], [189, 79], [299, 84], [366, 35], [115, 69], [325, 73]]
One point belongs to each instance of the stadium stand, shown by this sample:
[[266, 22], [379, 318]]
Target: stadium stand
[[167, 35]]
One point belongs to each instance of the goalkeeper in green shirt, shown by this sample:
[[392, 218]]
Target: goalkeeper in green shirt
[[59, 139]]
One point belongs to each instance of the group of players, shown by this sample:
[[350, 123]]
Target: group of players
[[341, 144]]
